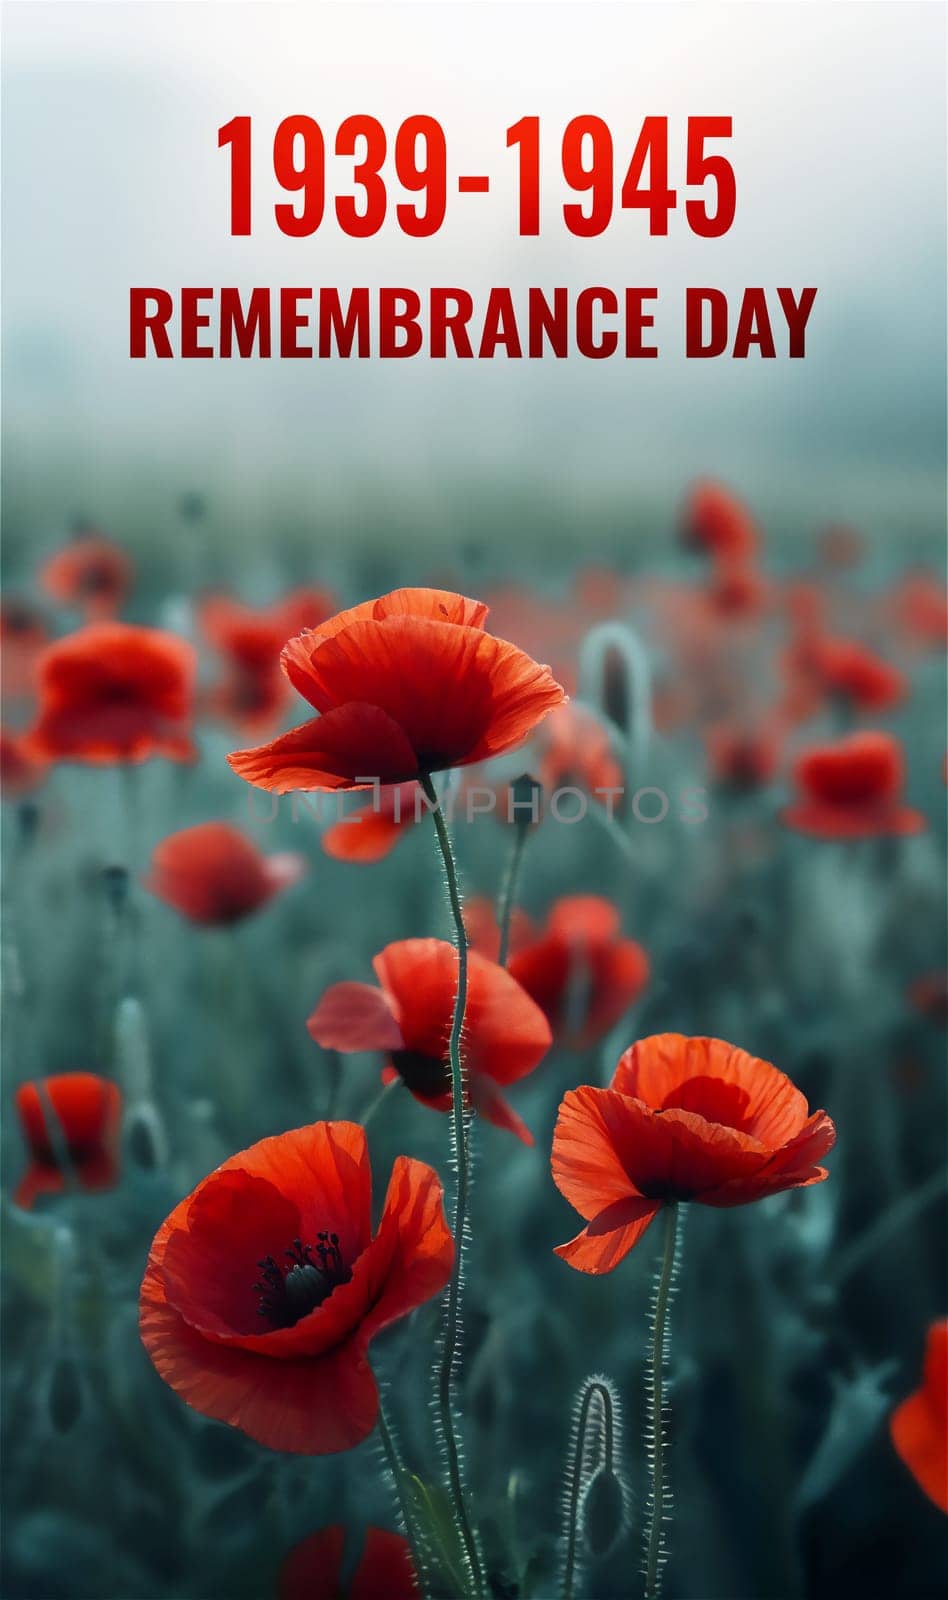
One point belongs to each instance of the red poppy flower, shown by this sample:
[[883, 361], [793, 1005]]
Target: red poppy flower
[[406, 685], [579, 969], [23, 637], [409, 1017], [846, 670], [852, 790], [20, 770], [266, 1285], [87, 1110], [214, 874], [254, 691], [575, 751], [379, 827], [91, 573], [114, 692], [742, 757], [719, 523], [684, 1119], [919, 1426], [313, 1570]]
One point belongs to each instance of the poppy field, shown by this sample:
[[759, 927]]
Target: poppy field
[[474, 1102]]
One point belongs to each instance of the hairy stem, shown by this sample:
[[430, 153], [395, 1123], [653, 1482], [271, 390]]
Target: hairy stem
[[461, 1150], [655, 1509], [396, 1467]]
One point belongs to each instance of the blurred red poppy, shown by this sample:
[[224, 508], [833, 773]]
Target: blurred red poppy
[[409, 1017], [841, 546], [91, 573], [23, 637], [313, 1569], [736, 589], [929, 995], [87, 1110], [379, 827], [719, 523], [578, 968], [684, 1119], [919, 1426], [742, 756], [919, 609], [254, 692], [406, 685], [575, 751], [846, 670], [114, 692], [266, 1285], [214, 874], [21, 771], [852, 790]]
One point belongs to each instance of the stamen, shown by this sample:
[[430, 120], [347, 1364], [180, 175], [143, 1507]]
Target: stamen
[[289, 1293]]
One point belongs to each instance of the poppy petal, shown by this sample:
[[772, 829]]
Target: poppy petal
[[919, 1426], [506, 1032], [610, 1236], [313, 1406], [435, 605], [410, 1259], [584, 919], [496, 1109], [312, 1569], [586, 1165], [792, 1167], [458, 694], [355, 1016], [323, 1169], [354, 742], [920, 1439], [386, 1571], [764, 1102], [369, 837]]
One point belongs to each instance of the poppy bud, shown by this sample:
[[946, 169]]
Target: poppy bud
[[595, 1496], [603, 1512], [615, 679], [115, 882], [524, 801], [144, 1129]]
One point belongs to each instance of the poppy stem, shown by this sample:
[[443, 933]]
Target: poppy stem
[[508, 892], [460, 1128], [378, 1100], [399, 1473], [658, 1508]]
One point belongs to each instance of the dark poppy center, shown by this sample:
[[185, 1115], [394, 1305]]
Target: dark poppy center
[[423, 1075], [288, 1293]]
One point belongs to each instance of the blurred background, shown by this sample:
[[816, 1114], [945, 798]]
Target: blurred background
[[727, 564]]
